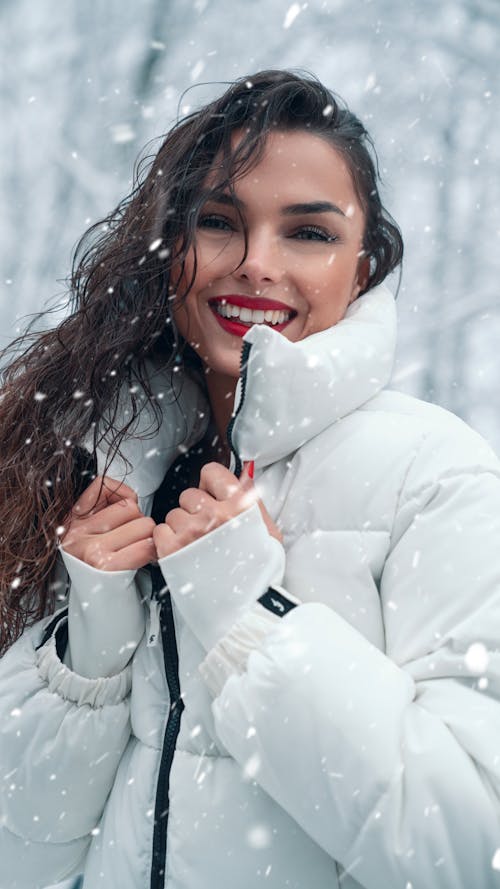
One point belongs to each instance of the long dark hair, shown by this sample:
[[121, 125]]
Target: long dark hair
[[66, 381]]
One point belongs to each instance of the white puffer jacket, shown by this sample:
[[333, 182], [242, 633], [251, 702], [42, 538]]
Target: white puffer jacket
[[320, 714]]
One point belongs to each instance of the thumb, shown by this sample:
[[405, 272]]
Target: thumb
[[246, 479]]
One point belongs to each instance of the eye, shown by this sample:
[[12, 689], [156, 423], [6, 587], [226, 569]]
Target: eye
[[213, 220], [313, 233]]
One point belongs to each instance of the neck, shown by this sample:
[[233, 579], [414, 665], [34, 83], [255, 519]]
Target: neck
[[221, 389]]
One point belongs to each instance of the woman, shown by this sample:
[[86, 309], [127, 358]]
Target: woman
[[290, 679]]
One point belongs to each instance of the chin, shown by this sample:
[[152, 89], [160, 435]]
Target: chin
[[226, 364]]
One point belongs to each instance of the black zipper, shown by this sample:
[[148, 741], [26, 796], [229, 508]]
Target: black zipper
[[171, 663], [245, 353], [161, 593]]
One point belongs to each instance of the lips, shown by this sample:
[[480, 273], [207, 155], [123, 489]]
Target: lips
[[252, 302], [239, 328]]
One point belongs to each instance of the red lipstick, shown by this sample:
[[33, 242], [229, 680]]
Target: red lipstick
[[251, 302], [238, 328]]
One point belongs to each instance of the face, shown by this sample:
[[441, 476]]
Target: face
[[304, 264]]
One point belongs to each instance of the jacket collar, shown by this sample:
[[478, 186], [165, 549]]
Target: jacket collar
[[288, 392], [147, 456]]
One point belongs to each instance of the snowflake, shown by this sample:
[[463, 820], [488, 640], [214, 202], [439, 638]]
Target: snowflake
[[291, 15], [259, 836], [477, 657]]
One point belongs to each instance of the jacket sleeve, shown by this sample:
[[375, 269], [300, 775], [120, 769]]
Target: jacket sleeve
[[217, 578], [105, 618], [389, 761], [61, 739]]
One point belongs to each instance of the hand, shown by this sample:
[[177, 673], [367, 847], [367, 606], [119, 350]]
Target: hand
[[220, 497], [114, 535]]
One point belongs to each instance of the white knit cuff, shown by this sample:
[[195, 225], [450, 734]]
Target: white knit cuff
[[230, 654]]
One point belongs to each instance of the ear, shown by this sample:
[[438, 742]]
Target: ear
[[362, 276]]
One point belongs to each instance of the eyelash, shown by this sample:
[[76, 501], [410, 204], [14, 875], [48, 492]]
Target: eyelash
[[212, 216], [319, 231], [325, 236]]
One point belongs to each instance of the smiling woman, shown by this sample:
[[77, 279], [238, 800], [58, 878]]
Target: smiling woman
[[249, 598], [303, 257], [287, 241]]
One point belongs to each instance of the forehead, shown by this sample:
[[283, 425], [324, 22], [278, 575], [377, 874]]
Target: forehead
[[298, 165]]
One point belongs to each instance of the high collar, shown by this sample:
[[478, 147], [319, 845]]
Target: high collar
[[288, 392], [147, 455]]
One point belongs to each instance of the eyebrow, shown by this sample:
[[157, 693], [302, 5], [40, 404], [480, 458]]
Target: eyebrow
[[290, 210]]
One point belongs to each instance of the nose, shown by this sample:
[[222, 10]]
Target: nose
[[263, 263]]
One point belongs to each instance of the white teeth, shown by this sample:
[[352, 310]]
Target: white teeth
[[251, 316]]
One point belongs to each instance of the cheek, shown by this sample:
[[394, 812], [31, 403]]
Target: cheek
[[204, 272], [328, 293], [322, 280], [217, 258]]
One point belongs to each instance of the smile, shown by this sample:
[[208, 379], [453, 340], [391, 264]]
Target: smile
[[237, 319], [252, 316]]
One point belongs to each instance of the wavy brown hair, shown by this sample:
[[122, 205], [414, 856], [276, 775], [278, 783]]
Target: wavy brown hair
[[61, 383]]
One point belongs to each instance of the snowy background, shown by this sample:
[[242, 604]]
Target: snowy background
[[87, 85]]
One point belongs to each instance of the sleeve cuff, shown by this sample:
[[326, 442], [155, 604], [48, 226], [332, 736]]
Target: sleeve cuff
[[68, 685], [106, 618], [215, 579], [81, 572], [231, 653]]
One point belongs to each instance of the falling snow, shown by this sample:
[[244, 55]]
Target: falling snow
[[252, 766], [442, 185], [291, 15], [477, 658], [259, 836], [121, 133]]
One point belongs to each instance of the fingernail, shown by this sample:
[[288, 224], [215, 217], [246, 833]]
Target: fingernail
[[249, 466]]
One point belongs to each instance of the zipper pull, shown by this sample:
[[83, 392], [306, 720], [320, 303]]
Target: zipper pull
[[154, 622]]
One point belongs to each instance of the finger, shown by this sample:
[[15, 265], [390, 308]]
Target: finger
[[193, 500], [218, 481], [189, 527], [110, 517], [84, 545], [118, 490], [246, 478], [101, 492], [246, 496], [166, 541], [247, 493], [272, 528], [248, 468], [182, 522], [134, 556], [105, 519], [131, 532]]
